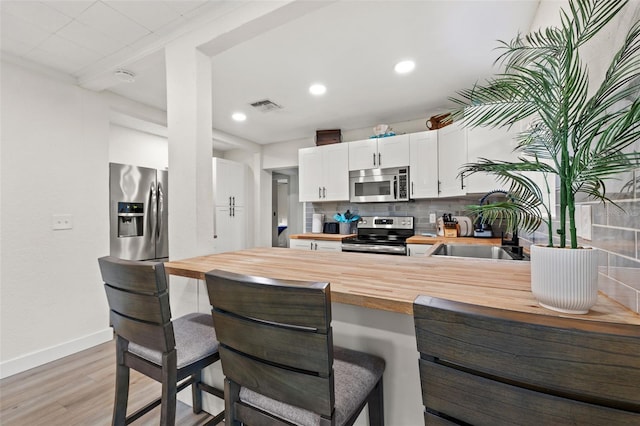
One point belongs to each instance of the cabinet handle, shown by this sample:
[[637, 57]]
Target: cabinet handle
[[311, 246], [412, 193], [234, 201], [379, 159], [439, 191], [319, 192], [229, 203], [408, 251], [324, 192], [374, 158], [461, 180], [316, 245]]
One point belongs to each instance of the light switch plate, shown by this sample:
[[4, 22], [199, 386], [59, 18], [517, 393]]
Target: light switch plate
[[432, 218], [61, 221]]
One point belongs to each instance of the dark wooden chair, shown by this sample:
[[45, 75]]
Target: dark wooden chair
[[278, 358], [171, 352], [486, 366]]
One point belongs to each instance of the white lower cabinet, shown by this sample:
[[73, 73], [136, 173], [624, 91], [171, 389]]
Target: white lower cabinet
[[319, 245], [418, 249], [231, 228]]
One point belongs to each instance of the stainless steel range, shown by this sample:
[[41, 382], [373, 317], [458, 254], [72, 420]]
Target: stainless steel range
[[381, 234]]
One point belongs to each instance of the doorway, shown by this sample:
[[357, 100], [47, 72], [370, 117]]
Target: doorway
[[286, 217]]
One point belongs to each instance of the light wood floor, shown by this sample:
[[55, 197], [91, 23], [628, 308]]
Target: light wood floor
[[78, 390]]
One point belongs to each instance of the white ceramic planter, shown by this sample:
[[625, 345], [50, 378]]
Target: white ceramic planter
[[564, 280]]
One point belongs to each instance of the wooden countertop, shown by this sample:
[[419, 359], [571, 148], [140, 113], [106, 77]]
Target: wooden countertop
[[325, 237], [421, 239], [391, 283]]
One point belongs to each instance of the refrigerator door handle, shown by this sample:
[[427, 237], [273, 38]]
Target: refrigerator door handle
[[153, 214], [160, 207]]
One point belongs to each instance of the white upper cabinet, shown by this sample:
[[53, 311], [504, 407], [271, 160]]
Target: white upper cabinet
[[452, 154], [323, 173], [392, 151], [423, 167], [493, 144], [229, 182]]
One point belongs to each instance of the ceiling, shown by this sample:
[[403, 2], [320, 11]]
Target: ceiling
[[350, 46]]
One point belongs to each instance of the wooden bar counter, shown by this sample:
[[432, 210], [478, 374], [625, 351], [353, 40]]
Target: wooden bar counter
[[372, 303], [391, 283]]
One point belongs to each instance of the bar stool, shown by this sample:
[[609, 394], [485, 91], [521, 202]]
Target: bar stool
[[278, 358], [170, 352]]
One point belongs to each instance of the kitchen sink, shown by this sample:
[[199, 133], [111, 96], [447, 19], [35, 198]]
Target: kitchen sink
[[479, 251]]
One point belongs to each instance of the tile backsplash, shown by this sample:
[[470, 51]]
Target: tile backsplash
[[419, 209]]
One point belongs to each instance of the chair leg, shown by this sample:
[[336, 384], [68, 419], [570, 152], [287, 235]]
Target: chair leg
[[376, 405], [196, 392], [231, 396], [169, 392], [122, 384]]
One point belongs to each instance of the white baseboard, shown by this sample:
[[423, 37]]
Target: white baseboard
[[52, 353]]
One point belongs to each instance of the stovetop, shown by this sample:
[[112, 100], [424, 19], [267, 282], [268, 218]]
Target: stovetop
[[381, 234]]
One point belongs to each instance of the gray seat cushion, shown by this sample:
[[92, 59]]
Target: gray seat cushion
[[355, 375], [195, 340]]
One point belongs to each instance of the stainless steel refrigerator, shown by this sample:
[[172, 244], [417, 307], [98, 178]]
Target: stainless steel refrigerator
[[138, 212]]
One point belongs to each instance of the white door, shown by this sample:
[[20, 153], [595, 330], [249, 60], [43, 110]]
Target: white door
[[423, 170], [335, 172], [393, 151], [363, 154], [310, 174], [452, 154]]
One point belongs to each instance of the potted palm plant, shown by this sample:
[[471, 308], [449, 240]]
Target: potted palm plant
[[580, 135]]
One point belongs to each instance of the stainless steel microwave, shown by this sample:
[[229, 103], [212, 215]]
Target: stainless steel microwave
[[379, 185]]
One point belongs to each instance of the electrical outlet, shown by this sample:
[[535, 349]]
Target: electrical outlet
[[61, 221], [432, 218]]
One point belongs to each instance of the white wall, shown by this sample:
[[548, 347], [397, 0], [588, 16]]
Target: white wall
[[129, 146], [54, 161]]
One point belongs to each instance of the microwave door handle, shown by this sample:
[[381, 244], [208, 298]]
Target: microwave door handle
[[395, 187]]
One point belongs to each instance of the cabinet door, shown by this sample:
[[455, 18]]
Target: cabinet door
[[335, 172], [328, 245], [393, 151], [298, 244], [229, 180], [423, 170], [363, 154], [310, 170], [418, 249], [491, 143], [452, 154], [231, 229]]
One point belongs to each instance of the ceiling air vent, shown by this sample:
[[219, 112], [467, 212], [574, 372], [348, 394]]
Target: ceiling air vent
[[265, 105]]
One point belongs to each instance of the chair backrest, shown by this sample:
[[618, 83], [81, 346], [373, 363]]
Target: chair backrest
[[139, 302], [275, 337], [483, 365]]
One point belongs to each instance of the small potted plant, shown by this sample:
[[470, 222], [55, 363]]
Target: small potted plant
[[582, 136]]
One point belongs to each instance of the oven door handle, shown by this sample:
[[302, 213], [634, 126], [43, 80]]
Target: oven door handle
[[373, 248]]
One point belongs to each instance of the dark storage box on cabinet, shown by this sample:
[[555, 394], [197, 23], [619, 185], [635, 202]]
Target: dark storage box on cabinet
[[326, 137]]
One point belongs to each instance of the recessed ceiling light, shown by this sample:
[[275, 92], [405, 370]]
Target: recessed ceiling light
[[404, 67], [238, 116], [317, 89]]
